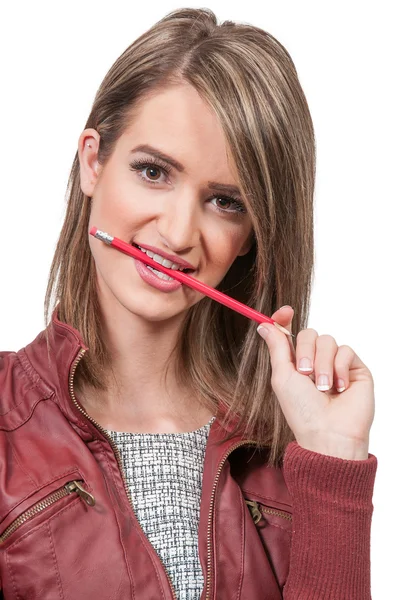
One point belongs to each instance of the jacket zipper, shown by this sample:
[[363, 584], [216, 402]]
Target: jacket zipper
[[114, 447], [210, 521], [257, 511], [68, 488]]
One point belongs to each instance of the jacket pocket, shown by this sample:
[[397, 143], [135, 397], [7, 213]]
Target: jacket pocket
[[274, 528], [72, 485]]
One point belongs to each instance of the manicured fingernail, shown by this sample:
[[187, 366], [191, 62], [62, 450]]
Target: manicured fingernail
[[323, 383], [340, 385], [264, 330], [305, 364]]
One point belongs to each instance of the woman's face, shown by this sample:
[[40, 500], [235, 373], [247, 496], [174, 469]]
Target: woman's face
[[176, 211]]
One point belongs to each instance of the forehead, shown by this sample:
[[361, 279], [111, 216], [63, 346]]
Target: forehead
[[177, 121]]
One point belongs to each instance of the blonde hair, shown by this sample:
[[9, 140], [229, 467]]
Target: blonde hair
[[250, 81]]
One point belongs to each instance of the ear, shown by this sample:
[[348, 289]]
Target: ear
[[88, 147], [248, 243]]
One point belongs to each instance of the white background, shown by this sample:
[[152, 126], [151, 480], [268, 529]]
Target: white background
[[53, 58]]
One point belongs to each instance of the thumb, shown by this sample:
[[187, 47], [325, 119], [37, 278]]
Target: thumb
[[279, 347]]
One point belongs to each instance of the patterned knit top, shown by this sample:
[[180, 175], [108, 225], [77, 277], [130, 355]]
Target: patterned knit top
[[164, 474]]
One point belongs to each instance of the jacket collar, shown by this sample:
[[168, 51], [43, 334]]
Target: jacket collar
[[56, 367]]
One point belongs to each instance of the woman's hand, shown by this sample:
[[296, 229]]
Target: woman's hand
[[323, 419]]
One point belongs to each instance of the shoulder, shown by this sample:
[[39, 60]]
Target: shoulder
[[20, 389]]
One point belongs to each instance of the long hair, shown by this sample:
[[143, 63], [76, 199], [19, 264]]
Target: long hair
[[250, 81]]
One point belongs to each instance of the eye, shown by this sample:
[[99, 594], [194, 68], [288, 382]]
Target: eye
[[150, 164], [238, 204]]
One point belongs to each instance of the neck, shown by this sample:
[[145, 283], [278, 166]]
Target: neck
[[140, 395]]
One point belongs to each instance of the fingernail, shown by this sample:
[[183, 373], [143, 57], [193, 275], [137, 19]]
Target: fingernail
[[305, 364], [323, 383], [340, 385], [263, 330]]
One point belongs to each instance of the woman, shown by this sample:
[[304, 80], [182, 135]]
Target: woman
[[153, 446]]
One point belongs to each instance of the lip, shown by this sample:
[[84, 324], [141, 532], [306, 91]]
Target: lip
[[179, 261], [153, 280]]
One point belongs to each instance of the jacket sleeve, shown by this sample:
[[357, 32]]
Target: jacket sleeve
[[332, 513]]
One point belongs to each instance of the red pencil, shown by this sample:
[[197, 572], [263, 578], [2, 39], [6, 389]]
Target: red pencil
[[239, 307]]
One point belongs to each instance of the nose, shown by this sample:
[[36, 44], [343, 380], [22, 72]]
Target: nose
[[179, 223]]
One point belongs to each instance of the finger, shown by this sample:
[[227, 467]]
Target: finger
[[305, 350], [279, 348], [284, 316], [326, 350], [343, 360]]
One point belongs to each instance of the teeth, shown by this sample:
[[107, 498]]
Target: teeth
[[159, 274], [162, 261]]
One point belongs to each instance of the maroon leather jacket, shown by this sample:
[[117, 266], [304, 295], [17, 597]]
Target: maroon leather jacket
[[67, 526]]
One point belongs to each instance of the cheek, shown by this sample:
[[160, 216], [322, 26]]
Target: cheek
[[117, 209], [115, 190], [224, 249]]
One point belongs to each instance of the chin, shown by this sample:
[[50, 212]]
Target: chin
[[155, 311]]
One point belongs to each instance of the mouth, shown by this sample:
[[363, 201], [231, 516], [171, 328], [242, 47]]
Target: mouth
[[178, 268]]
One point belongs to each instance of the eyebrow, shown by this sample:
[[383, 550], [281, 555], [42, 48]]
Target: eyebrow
[[212, 185]]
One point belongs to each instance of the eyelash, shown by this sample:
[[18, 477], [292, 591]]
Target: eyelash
[[139, 165]]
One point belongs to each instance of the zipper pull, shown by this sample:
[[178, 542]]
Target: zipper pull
[[75, 486], [254, 510]]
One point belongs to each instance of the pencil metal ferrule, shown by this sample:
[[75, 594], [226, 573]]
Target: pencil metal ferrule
[[105, 237]]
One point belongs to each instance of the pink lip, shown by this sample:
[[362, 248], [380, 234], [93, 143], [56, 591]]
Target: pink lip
[[179, 261], [154, 280]]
